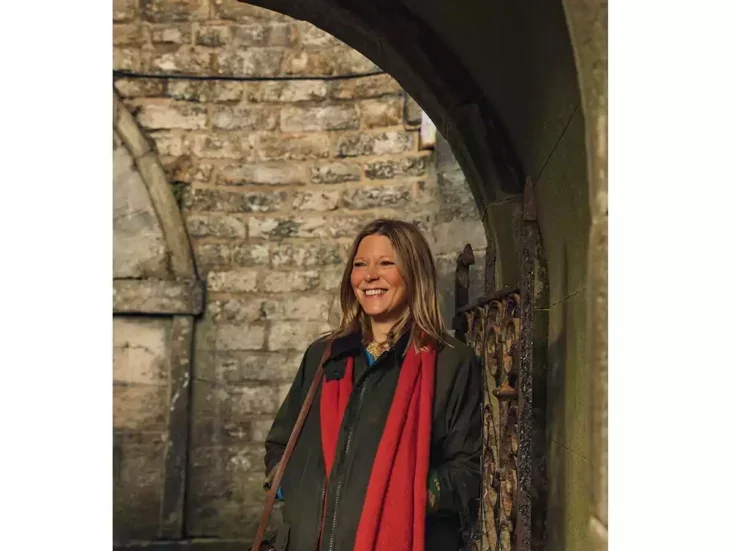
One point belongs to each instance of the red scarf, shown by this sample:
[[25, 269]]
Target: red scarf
[[394, 512]]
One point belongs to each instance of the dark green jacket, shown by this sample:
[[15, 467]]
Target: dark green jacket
[[455, 445]]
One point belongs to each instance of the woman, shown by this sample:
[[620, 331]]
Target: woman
[[389, 455]]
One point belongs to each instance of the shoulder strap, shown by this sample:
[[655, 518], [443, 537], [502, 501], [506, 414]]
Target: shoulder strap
[[281, 468]]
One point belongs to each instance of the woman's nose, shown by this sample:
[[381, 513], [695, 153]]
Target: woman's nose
[[371, 273]]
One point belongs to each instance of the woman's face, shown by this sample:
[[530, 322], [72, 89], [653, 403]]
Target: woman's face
[[376, 281]]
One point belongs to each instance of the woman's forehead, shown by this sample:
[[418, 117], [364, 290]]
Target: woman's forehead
[[375, 245]]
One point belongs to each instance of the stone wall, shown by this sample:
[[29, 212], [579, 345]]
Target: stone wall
[[274, 179]]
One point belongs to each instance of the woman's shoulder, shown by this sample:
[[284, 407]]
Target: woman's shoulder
[[453, 351]]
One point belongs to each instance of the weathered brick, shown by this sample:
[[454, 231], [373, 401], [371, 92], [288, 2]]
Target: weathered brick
[[277, 228], [124, 10], [331, 279], [347, 226], [367, 87], [170, 34], [168, 143], [235, 310], [314, 36], [316, 119], [262, 34], [239, 367], [127, 35], [412, 113], [186, 59], [215, 225], [189, 90], [168, 11], [211, 255], [354, 144], [139, 407], [273, 147], [290, 91], [219, 146], [274, 173], [261, 62], [381, 113], [250, 254], [218, 200], [317, 62], [351, 62], [232, 281], [295, 335], [312, 307], [139, 88], [240, 337], [140, 350], [316, 200], [239, 11], [308, 254], [157, 116], [283, 282], [224, 91], [126, 59], [392, 196], [390, 168], [184, 170], [227, 117], [334, 173], [213, 36], [455, 196]]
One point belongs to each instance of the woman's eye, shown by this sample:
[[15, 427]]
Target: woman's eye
[[358, 264], [387, 263]]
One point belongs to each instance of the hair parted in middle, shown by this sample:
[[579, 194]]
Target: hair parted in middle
[[416, 266]]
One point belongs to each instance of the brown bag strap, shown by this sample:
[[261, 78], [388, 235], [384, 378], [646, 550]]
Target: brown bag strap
[[280, 469]]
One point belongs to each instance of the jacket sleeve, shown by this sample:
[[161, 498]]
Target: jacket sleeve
[[275, 442], [458, 477]]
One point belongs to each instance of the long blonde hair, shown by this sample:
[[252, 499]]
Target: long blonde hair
[[416, 266]]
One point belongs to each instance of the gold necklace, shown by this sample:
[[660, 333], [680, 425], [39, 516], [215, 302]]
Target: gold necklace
[[376, 349]]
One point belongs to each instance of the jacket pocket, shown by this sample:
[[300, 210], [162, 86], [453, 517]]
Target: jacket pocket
[[282, 537]]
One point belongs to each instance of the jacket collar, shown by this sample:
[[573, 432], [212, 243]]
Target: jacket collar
[[351, 345]]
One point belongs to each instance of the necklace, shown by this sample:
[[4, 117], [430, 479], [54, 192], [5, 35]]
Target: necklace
[[376, 348]]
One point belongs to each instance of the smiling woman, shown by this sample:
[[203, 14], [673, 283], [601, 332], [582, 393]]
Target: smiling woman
[[393, 460]]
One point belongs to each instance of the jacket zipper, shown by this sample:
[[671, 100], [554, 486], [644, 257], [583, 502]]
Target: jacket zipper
[[324, 515]]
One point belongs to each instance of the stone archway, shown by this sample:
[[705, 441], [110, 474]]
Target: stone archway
[[156, 294]]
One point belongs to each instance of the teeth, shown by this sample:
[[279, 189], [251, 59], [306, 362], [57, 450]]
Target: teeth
[[373, 292]]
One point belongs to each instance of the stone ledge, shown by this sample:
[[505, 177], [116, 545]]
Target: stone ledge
[[157, 296]]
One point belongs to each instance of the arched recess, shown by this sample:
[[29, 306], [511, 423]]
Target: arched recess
[[518, 89], [156, 295]]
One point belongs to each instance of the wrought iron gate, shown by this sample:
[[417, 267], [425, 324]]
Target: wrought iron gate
[[510, 513]]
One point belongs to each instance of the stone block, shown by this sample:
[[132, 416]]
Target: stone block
[[189, 90], [232, 281], [211, 255], [139, 407], [297, 91], [367, 87], [308, 254], [320, 201], [238, 11], [287, 282], [237, 367], [354, 144], [295, 335], [251, 62], [273, 147], [412, 113], [351, 62], [312, 36], [139, 88], [390, 196], [313, 307], [169, 11], [244, 118], [168, 143], [335, 173], [250, 254], [213, 35], [210, 401], [156, 296], [172, 115], [445, 236], [455, 197], [262, 34], [187, 59], [124, 10], [170, 34], [126, 59], [127, 35], [140, 350], [183, 170], [217, 200], [219, 146], [240, 337], [376, 113], [312, 62], [385, 169], [266, 174], [278, 228], [318, 119], [225, 91], [331, 279], [235, 311]]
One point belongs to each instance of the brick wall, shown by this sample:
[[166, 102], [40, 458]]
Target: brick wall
[[274, 180]]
